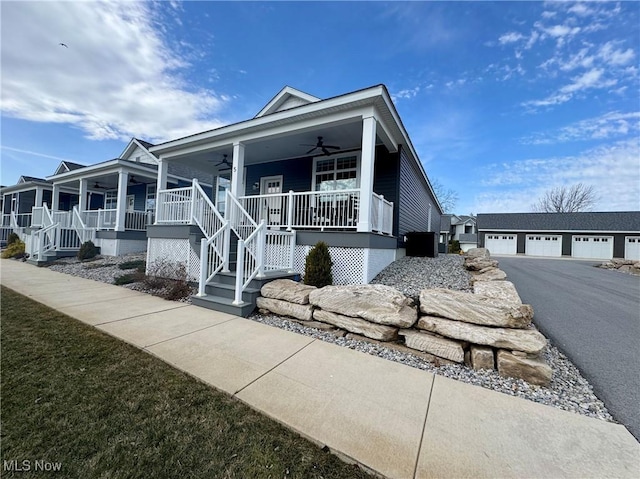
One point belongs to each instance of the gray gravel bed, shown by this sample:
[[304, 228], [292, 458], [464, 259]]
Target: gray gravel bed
[[568, 389], [410, 275]]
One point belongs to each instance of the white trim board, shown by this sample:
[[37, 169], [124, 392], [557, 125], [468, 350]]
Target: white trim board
[[574, 232]]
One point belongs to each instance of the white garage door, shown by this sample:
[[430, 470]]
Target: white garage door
[[543, 245], [592, 247], [500, 244], [632, 247]]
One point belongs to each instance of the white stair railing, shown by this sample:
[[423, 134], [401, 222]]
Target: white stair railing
[[43, 240], [250, 260], [214, 255], [84, 233]]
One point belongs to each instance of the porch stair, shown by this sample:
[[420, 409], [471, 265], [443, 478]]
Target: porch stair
[[51, 256], [221, 291]]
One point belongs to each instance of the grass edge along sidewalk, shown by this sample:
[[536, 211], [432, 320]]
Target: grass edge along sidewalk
[[75, 397]]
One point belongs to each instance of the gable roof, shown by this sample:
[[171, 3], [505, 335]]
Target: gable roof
[[463, 219], [65, 166], [31, 179], [138, 143], [287, 98], [584, 221]]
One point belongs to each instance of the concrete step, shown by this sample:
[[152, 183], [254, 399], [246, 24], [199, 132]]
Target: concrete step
[[229, 290], [225, 305]]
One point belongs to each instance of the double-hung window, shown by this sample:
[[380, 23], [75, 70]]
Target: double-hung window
[[111, 200], [339, 173]]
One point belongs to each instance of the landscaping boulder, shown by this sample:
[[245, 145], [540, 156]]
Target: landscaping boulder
[[503, 290], [482, 357], [478, 253], [428, 343], [491, 274], [287, 290], [478, 264], [374, 302], [532, 370], [472, 308], [526, 340], [357, 325], [284, 308]]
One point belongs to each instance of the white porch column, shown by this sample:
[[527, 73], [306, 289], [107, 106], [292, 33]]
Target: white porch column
[[121, 211], [237, 170], [55, 198], [367, 163], [163, 169], [39, 192], [82, 205]]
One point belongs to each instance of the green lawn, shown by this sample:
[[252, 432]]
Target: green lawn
[[101, 408]]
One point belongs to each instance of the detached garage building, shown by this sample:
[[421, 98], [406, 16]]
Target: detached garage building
[[580, 235]]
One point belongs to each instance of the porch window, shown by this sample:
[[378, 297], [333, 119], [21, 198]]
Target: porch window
[[340, 173], [111, 200], [150, 203]]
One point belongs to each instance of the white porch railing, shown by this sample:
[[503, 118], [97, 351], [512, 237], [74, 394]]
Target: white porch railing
[[381, 214], [250, 260], [174, 206], [20, 220], [64, 218], [84, 232], [308, 209]]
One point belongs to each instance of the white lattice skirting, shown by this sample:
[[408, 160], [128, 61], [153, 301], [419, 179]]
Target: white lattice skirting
[[350, 265], [174, 251]]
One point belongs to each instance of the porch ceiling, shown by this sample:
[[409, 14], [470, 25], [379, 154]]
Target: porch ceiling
[[106, 181], [346, 135]]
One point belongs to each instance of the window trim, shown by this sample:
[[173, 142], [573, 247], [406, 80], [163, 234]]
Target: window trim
[[336, 157]]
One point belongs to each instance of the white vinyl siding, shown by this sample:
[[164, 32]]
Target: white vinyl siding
[[632, 247], [543, 245], [592, 247], [501, 244]]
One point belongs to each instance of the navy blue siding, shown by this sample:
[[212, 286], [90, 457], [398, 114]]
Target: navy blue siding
[[386, 180], [140, 193], [96, 201], [415, 198], [67, 201], [296, 173]]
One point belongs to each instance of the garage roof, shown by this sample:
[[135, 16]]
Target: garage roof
[[601, 221]]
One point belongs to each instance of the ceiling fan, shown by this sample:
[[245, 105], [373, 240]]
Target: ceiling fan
[[97, 186], [320, 144], [133, 181], [224, 162]]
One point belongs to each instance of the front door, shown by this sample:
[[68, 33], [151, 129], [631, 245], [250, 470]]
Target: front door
[[272, 206]]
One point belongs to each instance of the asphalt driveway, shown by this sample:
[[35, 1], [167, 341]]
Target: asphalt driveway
[[593, 316]]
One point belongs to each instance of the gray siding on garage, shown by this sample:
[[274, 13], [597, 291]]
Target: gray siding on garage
[[415, 198]]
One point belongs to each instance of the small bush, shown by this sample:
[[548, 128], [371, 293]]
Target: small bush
[[14, 250], [87, 251], [317, 266], [139, 264], [454, 246], [13, 237], [168, 280]]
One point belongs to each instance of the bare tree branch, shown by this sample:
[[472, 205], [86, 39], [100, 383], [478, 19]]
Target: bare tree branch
[[446, 196], [567, 199]]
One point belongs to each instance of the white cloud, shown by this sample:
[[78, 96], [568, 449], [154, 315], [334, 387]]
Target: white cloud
[[613, 170], [118, 78], [510, 37], [610, 125], [405, 94], [588, 80], [615, 57]]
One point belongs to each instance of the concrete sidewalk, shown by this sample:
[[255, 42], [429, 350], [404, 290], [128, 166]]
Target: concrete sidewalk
[[395, 420]]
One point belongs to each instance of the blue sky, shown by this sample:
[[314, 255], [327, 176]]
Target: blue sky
[[502, 100]]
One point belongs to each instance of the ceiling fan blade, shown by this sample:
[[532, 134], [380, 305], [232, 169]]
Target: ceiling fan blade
[[325, 151], [315, 147], [332, 147]]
